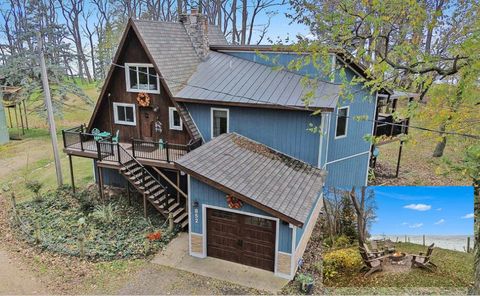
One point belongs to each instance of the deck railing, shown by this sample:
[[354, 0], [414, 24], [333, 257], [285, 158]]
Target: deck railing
[[77, 138], [163, 151], [391, 128]]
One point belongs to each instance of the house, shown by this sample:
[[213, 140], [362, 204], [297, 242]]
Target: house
[[211, 135]]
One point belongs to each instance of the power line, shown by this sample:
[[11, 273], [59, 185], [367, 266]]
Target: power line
[[306, 108]]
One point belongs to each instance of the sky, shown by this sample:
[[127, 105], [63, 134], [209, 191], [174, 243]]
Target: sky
[[417, 210]]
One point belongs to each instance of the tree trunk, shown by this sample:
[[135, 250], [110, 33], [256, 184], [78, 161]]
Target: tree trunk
[[360, 211], [234, 21], [244, 22], [219, 14], [438, 152]]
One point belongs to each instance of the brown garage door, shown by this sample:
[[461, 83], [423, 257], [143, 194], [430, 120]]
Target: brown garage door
[[239, 238]]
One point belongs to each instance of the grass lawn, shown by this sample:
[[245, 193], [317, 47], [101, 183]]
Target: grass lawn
[[455, 270]]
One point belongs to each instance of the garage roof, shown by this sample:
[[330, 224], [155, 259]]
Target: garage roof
[[283, 186]]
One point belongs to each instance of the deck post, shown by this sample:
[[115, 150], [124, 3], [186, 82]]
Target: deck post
[[128, 194], [10, 117], [468, 244], [166, 149], [16, 118], [178, 186], [71, 172], [25, 112], [399, 158], [144, 205], [21, 118], [100, 182]]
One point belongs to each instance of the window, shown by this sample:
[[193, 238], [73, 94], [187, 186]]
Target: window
[[124, 113], [258, 222], [141, 78], [219, 121], [342, 122], [174, 119]]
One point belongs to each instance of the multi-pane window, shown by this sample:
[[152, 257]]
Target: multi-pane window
[[141, 78], [124, 113], [219, 122], [175, 122], [342, 122]]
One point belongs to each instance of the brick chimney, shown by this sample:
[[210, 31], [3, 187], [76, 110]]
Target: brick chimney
[[197, 28]]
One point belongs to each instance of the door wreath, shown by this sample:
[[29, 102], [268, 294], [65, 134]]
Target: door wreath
[[143, 99], [233, 202]]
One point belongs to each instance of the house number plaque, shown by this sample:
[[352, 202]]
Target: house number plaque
[[195, 216]]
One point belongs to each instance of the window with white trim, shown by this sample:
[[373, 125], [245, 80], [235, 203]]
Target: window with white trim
[[175, 121], [342, 122], [124, 114], [141, 78], [220, 121]]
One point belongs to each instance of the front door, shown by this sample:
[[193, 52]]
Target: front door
[[147, 121], [240, 238]]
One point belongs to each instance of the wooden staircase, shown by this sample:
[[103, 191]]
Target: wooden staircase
[[154, 191]]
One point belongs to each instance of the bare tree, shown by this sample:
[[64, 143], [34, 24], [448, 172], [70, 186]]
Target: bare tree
[[365, 211]]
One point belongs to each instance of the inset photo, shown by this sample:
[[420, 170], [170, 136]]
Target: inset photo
[[397, 238]]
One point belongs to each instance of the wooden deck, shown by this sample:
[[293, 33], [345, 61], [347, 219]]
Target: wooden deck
[[150, 157]]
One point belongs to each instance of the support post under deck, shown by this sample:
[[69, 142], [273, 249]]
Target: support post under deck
[[100, 182], [71, 172], [399, 158]]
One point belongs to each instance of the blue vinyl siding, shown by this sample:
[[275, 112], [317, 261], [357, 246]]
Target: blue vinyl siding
[[205, 194], [348, 172], [111, 177], [4, 137], [283, 130], [275, 59]]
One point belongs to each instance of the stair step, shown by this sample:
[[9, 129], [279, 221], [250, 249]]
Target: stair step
[[174, 206], [129, 166], [158, 193], [180, 218], [132, 171], [178, 211], [150, 183], [139, 177], [153, 189], [185, 223]]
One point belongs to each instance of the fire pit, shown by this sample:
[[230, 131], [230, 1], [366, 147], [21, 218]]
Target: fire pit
[[397, 256]]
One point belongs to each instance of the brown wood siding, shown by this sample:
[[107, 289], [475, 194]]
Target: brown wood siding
[[133, 52], [241, 239]]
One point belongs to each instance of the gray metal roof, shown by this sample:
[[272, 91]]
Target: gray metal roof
[[286, 187], [172, 49], [224, 78]]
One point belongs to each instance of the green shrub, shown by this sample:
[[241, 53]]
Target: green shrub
[[343, 260], [34, 186], [342, 241]]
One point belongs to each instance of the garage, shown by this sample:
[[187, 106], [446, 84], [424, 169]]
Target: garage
[[243, 239]]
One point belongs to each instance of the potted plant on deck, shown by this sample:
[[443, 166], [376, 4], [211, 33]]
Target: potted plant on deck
[[306, 282]]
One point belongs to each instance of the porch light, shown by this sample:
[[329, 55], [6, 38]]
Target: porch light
[[195, 204]]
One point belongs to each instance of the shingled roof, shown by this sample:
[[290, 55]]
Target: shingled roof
[[171, 49], [272, 181]]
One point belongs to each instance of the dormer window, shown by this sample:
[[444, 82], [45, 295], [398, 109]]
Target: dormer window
[[141, 78]]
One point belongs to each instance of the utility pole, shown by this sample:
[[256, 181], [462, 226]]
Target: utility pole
[[48, 104]]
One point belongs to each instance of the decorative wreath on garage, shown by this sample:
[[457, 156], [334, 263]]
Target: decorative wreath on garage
[[143, 99], [233, 202]]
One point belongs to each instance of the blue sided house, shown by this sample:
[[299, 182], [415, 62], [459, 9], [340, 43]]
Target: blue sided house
[[214, 136]]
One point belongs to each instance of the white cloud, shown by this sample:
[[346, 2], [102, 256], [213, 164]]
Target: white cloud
[[418, 207], [416, 225], [441, 221], [439, 209], [404, 223], [468, 216]]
